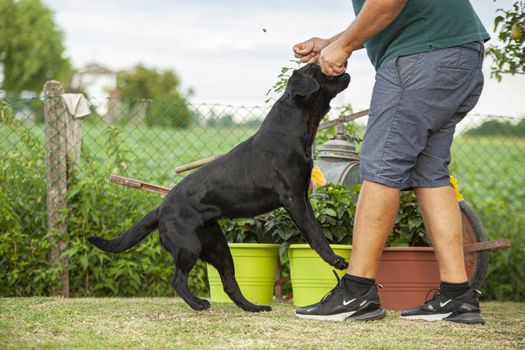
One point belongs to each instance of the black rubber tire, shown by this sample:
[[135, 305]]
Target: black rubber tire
[[482, 257]]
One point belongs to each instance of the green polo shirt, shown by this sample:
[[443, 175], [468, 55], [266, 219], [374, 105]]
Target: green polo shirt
[[424, 25]]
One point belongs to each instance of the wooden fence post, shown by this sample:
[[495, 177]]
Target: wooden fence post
[[56, 120]]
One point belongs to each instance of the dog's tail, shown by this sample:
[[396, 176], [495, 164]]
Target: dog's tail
[[131, 237]]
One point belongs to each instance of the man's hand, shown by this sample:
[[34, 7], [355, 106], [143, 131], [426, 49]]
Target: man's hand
[[332, 54], [308, 51], [334, 59]]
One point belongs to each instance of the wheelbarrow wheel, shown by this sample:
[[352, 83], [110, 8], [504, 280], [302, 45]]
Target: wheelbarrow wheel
[[476, 262]]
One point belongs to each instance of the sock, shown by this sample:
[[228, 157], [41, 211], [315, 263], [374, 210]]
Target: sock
[[454, 290], [357, 285]]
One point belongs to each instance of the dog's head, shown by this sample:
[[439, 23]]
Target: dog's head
[[309, 86]]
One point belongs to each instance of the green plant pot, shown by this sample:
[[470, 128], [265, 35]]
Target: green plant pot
[[255, 270], [311, 276]]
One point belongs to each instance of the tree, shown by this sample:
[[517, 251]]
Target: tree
[[165, 105], [31, 49], [495, 127], [509, 58]]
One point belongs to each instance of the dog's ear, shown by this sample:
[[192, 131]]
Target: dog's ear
[[302, 85]]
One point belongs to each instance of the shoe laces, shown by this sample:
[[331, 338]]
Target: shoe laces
[[338, 288], [334, 290], [438, 292], [434, 293]]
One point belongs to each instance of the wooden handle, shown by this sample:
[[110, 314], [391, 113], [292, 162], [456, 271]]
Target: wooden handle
[[487, 245], [126, 181], [343, 119], [196, 164]]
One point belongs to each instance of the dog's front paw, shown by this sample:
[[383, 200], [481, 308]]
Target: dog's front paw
[[340, 263], [258, 308]]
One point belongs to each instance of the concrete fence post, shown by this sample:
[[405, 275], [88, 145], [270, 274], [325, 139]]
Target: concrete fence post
[[63, 137]]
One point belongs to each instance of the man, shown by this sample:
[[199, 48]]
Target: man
[[428, 56]]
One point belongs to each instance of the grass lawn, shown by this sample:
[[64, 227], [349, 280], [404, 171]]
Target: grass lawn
[[167, 323]]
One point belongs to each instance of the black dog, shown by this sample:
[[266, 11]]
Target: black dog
[[269, 170]]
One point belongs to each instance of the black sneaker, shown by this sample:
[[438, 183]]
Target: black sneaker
[[463, 309], [340, 305]]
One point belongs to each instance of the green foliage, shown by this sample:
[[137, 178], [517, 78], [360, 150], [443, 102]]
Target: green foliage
[[408, 230], [170, 107], [510, 57], [24, 242], [505, 278], [334, 208], [95, 207], [496, 127], [31, 49], [246, 231], [488, 170], [282, 80]]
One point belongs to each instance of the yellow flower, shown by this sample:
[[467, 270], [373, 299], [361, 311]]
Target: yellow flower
[[318, 177], [454, 184]]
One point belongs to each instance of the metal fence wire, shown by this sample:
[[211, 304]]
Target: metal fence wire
[[147, 139]]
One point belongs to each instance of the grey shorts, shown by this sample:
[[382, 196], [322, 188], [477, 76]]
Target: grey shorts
[[416, 103]]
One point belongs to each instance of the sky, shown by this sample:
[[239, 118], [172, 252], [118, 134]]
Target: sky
[[230, 52]]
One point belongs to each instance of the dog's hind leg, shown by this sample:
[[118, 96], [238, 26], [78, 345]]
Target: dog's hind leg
[[215, 251], [185, 262], [303, 216], [184, 245]]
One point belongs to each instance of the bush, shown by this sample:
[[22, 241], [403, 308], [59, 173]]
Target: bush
[[499, 128], [96, 207], [505, 278]]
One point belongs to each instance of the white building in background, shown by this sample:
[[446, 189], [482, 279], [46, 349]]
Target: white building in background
[[97, 82]]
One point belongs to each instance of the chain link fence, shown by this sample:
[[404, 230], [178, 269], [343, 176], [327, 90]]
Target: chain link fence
[[63, 166]]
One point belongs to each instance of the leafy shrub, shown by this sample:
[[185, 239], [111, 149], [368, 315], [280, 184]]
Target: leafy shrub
[[505, 278], [334, 208], [499, 128], [95, 207]]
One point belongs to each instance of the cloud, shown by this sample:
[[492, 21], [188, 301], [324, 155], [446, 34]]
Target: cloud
[[219, 47]]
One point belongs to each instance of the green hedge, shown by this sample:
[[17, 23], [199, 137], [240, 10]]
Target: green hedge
[[96, 207]]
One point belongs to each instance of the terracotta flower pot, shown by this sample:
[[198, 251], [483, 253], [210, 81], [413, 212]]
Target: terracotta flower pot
[[407, 273]]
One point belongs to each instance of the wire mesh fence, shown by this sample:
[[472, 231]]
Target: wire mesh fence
[[146, 140]]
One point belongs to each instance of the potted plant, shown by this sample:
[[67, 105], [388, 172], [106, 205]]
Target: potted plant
[[255, 244], [311, 277], [408, 267], [255, 259]]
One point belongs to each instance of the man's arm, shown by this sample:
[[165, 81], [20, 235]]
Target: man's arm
[[375, 16]]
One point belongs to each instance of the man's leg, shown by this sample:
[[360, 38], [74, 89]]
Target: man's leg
[[355, 297], [456, 301], [442, 217], [376, 213]]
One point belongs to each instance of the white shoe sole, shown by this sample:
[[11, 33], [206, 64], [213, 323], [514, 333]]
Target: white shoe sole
[[334, 318], [435, 317]]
